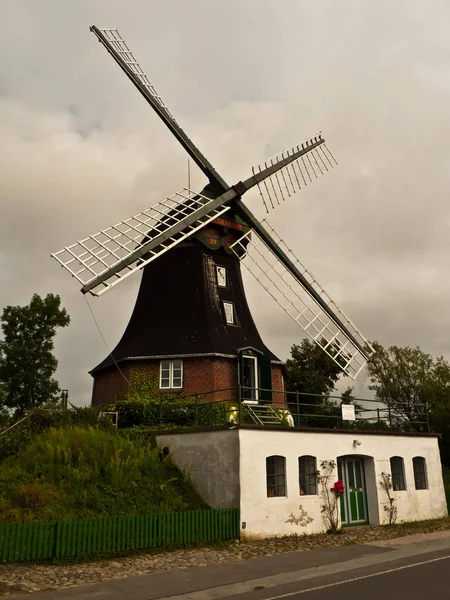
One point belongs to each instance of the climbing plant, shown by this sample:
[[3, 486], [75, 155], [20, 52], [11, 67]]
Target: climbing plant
[[330, 495], [389, 507]]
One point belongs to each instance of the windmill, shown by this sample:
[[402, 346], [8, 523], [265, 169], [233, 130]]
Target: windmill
[[191, 322]]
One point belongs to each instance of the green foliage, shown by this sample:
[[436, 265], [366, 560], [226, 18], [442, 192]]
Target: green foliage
[[27, 363], [75, 472], [415, 386], [329, 506], [406, 379], [310, 370], [42, 419], [144, 405], [313, 374]]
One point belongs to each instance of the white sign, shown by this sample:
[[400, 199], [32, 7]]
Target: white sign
[[348, 412]]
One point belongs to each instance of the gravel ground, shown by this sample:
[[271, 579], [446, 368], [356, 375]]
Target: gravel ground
[[26, 578]]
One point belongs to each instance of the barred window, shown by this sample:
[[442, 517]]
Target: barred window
[[420, 473], [307, 474], [398, 474], [276, 476]]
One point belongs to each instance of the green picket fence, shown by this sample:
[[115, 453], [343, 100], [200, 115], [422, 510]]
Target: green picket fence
[[84, 537]]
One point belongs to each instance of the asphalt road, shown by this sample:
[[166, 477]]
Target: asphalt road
[[423, 577], [410, 569]]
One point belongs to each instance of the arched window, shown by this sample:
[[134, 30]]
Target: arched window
[[398, 474], [420, 473], [276, 476], [307, 475]]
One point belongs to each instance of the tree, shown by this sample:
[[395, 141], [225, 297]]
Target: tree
[[347, 396], [310, 370], [4, 412], [27, 363], [313, 374], [413, 385]]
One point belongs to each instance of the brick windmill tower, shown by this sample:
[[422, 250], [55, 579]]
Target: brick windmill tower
[[191, 327]]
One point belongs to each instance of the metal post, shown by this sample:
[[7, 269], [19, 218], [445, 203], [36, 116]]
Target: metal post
[[196, 411], [240, 403], [64, 398], [390, 416], [378, 414], [298, 408]]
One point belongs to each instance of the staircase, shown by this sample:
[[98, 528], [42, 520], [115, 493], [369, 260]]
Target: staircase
[[262, 414]]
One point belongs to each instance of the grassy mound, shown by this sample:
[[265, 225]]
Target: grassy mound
[[76, 472]]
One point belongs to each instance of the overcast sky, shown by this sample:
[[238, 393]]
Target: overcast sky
[[80, 149]]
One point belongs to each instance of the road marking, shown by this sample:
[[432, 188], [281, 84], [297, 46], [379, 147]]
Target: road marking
[[295, 577], [329, 585]]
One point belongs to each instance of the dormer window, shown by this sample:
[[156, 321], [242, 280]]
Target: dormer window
[[221, 274], [228, 309]]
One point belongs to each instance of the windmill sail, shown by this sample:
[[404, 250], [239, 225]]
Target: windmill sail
[[295, 168], [337, 336], [124, 57], [102, 260]]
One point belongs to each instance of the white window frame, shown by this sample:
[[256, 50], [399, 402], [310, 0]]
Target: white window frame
[[221, 276], [171, 385], [233, 315], [253, 358]]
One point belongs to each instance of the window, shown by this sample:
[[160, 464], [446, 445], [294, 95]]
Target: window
[[398, 474], [249, 377], [420, 473], [307, 474], [171, 374], [228, 308], [221, 274], [276, 476]]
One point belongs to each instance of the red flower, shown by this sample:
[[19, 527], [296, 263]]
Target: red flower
[[338, 488]]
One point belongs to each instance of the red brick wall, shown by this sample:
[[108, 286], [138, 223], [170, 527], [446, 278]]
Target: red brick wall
[[111, 382], [200, 376], [278, 396]]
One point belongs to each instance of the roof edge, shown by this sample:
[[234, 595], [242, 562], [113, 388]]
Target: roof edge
[[163, 356]]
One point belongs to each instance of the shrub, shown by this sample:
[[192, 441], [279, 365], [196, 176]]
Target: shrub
[[75, 472], [44, 418]]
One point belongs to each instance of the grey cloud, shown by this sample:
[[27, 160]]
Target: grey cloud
[[79, 149]]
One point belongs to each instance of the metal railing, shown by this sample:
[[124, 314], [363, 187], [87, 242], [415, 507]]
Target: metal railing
[[225, 405]]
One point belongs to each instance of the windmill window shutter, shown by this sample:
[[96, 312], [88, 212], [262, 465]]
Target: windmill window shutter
[[265, 378]]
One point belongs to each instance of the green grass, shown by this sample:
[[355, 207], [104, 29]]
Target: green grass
[[76, 472]]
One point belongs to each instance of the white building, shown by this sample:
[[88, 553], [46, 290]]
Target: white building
[[270, 473]]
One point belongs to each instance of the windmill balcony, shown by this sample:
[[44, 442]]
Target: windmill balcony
[[261, 407]]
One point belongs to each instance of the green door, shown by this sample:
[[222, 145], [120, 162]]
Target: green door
[[353, 501]]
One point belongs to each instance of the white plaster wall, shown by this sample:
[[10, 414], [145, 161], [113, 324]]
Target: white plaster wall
[[211, 460], [295, 514]]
